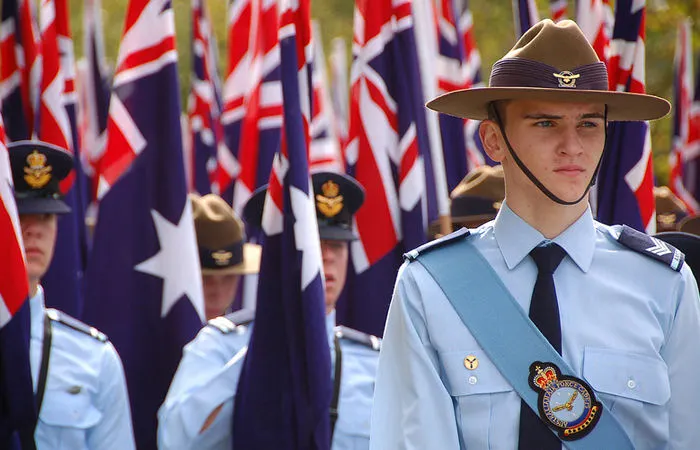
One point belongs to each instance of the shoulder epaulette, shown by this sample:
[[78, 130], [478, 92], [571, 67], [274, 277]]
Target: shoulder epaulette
[[373, 342], [437, 243], [57, 316], [651, 247], [228, 323]]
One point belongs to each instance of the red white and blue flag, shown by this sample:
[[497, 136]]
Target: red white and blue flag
[[93, 85], [339, 88], [17, 409], [206, 134], [144, 286], [20, 68], [626, 180], [56, 124], [596, 19], [261, 104], [558, 9], [684, 179], [525, 15], [389, 155], [324, 154], [284, 393]]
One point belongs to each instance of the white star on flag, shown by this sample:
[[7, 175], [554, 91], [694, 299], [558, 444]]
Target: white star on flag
[[306, 235], [177, 262]]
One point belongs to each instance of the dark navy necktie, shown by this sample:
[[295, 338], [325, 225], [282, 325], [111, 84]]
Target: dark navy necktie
[[544, 312]]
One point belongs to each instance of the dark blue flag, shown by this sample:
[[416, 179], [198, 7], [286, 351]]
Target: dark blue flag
[[284, 393], [143, 282]]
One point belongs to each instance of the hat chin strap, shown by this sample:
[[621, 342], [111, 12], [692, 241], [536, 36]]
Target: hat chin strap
[[534, 179]]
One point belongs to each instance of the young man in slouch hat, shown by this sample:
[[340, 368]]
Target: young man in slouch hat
[[197, 412], [78, 377], [223, 253], [542, 329]]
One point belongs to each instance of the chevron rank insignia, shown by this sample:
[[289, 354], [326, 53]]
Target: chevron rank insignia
[[652, 247]]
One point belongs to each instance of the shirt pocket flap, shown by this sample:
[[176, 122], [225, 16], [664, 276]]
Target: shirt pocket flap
[[65, 409], [630, 375], [471, 372]]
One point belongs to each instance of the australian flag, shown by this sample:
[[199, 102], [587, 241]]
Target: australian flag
[[17, 409], [626, 180], [525, 15], [284, 393], [143, 281]]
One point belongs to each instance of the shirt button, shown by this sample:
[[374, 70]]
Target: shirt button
[[472, 379], [631, 384]]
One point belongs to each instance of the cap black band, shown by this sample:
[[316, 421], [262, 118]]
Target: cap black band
[[519, 72], [221, 258]]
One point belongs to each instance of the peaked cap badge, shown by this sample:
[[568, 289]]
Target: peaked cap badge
[[222, 257], [566, 79], [329, 202], [37, 174]]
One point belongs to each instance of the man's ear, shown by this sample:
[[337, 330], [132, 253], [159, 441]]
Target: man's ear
[[493, 142]]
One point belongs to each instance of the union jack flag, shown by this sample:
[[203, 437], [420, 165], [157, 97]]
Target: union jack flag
[[525, 15], [259, 109], [56, 124], [17, 409], [558, 9], [684, 179], [144, 286], [339, 88], [595, 18], [459, 67], [626, 180], [284, 393], [20, 68], [388, 154], [324, 153], [206, 134]]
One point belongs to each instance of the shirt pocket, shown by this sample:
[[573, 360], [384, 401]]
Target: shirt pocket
[[65, 419], [480, 395], [634, 387]]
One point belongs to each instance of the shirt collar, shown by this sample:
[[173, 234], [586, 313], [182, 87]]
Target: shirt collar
[[36, 310], [516, 238], [330, 328]]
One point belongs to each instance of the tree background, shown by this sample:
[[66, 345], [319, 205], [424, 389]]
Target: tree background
[[493, 28]]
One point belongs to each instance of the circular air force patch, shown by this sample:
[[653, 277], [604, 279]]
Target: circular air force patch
[[566, 404]]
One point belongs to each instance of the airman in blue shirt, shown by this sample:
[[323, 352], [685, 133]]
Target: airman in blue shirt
[[197, 412], [626, 307], [77, 374]]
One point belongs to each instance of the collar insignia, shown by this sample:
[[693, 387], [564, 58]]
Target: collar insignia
[[329, 202], [566, 79], [222, 257], [37, 174]]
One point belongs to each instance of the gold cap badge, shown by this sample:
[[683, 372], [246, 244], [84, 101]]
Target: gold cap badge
[[330, 203], [222, 257], [38, 174], [566, 79]]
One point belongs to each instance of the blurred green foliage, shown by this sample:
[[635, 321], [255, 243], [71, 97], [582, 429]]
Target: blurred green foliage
[[493, 27]]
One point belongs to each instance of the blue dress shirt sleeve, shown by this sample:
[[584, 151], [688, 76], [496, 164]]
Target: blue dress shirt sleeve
[[206, 378], [681, 353], [412, 408]]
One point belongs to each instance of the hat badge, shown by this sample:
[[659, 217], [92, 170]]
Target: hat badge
[[329, 202], [222, 257], [567, 79], [37, 174]]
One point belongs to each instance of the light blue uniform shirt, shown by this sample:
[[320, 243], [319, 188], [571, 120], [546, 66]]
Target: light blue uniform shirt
[[630, 326], [208, 376], [86, 405]]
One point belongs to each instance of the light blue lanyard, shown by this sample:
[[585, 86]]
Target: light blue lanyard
[[504, 331]]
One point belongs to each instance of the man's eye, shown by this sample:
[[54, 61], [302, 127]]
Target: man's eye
[[544, 124], [589, 124]]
